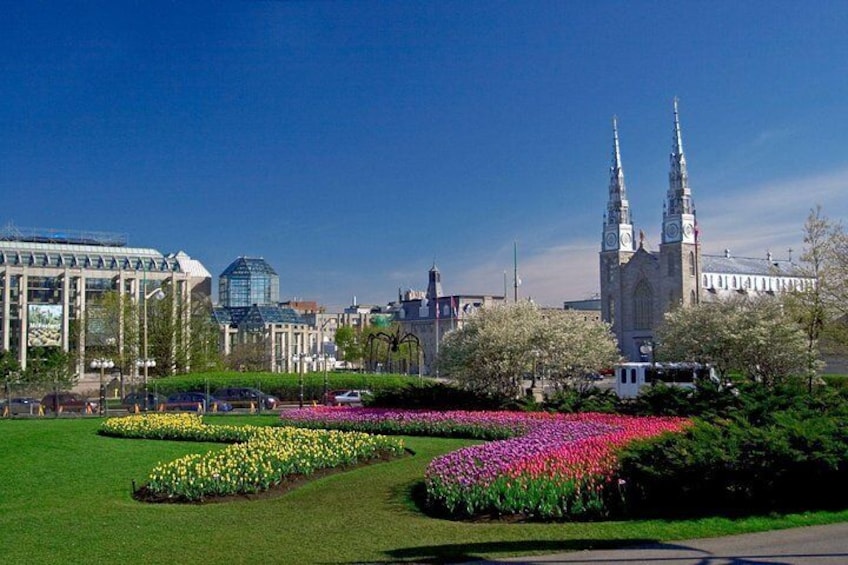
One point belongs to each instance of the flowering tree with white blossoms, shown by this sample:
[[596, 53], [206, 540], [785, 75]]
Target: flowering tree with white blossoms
[[755, 337], [499, 345]]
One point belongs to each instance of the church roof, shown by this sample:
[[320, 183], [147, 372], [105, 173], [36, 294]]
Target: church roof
[[725, 264]]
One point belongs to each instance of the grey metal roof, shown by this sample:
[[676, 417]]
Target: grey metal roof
[[724, 264], [36, 254]]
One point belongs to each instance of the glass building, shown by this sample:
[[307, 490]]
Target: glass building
[[247, 282]]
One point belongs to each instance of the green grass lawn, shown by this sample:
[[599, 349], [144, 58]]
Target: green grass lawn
[[65, 497]]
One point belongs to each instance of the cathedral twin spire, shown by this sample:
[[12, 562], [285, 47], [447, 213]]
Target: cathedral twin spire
[[678, 215], [679, 194]]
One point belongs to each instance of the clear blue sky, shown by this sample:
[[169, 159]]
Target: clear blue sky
[[352, 143]]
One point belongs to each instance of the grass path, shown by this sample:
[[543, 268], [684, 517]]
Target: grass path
[[65, 497]]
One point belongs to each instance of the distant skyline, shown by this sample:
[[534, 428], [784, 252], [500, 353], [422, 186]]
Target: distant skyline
[[352, 144]]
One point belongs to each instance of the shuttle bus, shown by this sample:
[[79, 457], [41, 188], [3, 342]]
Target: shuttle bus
[[631, 377]]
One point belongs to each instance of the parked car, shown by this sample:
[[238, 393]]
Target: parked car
[[352, 397], [68, 402], [330, 397], [150, 401], [245, 397], [20, 405], [194, 401]]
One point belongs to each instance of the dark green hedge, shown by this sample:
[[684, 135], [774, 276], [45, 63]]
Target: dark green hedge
[[780, 450], [285, 386]]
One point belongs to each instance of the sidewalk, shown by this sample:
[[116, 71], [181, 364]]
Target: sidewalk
[[811, 545]]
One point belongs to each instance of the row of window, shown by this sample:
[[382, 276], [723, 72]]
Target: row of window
[[87, 261], [764, 284]]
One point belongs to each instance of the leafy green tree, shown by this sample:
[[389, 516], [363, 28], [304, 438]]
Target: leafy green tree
[[250, 355], [112, 330], [49, 367], [348, 341], [756, 337], [498, 346]]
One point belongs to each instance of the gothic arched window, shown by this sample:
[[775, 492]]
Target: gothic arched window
[[643, 312], [691, 262], [692, 299]]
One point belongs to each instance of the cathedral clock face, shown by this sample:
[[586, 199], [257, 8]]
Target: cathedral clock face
[[625, 239], [672, 231], [611, 240], [688, 229]]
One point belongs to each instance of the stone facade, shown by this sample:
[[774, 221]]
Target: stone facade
[[639, 285]]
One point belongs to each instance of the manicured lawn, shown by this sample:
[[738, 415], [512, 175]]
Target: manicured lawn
[[65, 497]]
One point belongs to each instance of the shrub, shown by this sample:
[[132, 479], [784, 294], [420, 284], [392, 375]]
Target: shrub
[[790, 462], [572, 400], [285, 386], [434, 396]]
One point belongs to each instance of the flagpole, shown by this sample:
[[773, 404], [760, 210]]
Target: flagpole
[[515, 271]]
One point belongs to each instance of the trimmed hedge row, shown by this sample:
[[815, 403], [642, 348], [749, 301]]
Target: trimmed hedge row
[[285, 386]]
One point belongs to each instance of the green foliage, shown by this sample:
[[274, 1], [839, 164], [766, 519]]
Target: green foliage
[[768, 450], [347, 340], [434, 396], [285, 386], [9, 366], [49, 367], [570, 400]]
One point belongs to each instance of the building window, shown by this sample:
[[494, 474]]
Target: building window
[[642, 306], [692, 298], [692, 263]]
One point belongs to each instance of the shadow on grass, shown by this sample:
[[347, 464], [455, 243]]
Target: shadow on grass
[[469, 552]]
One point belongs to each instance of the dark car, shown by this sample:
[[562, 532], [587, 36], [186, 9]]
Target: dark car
[[139, 401], [68, 402], [196, 402], [246, 397], [19, 405]]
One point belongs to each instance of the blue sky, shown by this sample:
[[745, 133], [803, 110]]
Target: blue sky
[[351, 144]]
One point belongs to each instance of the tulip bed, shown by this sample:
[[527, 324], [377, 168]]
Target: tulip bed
[[449, 423], [265, 456], [549, 466]]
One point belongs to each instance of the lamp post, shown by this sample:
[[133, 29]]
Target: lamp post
[[146, 362], [323, 358], [102, 364], [300, 358]]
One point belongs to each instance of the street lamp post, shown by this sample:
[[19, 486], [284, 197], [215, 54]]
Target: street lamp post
[[300, 358], [102, 364], [147, 362], [322, 358]]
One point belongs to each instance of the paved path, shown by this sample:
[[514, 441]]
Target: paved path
[[812, 545]]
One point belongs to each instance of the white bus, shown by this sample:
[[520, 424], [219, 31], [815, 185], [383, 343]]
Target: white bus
[[631, 377]]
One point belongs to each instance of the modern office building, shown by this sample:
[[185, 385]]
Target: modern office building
[[49, 278], [639, 285]]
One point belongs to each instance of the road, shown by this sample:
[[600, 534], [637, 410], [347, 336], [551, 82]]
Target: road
[[811, 545]]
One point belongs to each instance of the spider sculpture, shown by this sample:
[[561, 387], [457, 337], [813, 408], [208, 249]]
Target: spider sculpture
[[393, 343]]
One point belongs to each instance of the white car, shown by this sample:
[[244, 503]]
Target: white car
[[351, 397]]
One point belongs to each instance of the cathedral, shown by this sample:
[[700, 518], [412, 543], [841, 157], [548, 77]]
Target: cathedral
[[638, 285]]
